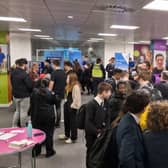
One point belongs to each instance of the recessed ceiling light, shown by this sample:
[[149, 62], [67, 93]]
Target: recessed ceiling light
[[12, 19], [124, 27], [29, 30], [107, 34], [161, 5], [45, 38], [70, 17], [42, 36]]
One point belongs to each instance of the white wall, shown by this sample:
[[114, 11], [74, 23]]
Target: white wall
[[20, 47], [110, 48]]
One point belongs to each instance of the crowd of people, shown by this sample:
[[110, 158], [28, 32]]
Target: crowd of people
[[132, 103]]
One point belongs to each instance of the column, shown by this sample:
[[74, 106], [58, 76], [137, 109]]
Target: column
[[20, 46]]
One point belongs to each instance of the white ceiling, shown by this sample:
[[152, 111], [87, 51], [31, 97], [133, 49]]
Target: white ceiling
[[90, 18]]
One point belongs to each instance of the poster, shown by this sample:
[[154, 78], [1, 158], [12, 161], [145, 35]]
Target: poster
[[122, 61], [142, 52]]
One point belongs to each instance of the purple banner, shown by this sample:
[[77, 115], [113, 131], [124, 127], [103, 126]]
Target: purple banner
[[158, 45]]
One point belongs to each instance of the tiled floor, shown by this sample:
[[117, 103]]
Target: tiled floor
[[68, 156]]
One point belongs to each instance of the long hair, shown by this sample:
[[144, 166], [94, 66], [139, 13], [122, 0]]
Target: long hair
[[43, 84], [73, 80]]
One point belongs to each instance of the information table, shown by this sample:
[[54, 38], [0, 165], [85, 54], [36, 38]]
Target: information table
[[19, 134]]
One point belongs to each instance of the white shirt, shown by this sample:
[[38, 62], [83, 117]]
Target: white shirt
[[99, 100], [135, 117]]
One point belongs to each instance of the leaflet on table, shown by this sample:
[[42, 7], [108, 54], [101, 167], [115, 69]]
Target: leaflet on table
[[7, 136], [21, 143]]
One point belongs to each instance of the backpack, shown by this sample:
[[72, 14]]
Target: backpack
[[81, 115], [155, 94], [104, 153]]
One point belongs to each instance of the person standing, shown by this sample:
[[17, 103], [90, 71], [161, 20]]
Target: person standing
[[57, 84], [47, 67], [157, 135], [98, 74], [72, 104], [34, 72], [130, 142], [68, 67], [22, 86], [163, 85], [110, 67], [97, 118], [43, 116]]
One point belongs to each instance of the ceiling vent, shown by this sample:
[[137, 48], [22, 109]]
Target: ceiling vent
[[113, 8]]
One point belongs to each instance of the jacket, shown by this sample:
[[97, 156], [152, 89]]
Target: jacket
[[42, 106], [156, 147], [115, 105], [143, 118], [22, 84], [130, 143], [96, 120], [163, 87], [76, 97]]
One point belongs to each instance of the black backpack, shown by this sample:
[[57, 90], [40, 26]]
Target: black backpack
[[81, 115], [104, 153]]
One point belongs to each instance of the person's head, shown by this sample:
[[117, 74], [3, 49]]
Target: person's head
[[56, 63], [77, 66], [164, 76], [146, 65], [98, 61], [136, 103], [112, 60], [157, 119], [35, 67], [44, 83], [159, 59], [47, 62], [72, 80], [68, 66], [117, 73], [21, 63], [104, 90], [122, 87], [124, 76], [144, 76]]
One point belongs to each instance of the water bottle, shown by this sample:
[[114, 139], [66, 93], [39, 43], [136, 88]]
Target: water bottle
[[29, 129]]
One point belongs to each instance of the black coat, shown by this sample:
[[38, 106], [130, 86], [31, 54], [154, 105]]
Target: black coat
[[115, 105], [97, 118], [156, 147], [163, 87], [22, 84], [130, 143], [42, 107]]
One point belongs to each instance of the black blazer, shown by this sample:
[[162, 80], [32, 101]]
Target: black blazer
[[130, 143], [157, 149]]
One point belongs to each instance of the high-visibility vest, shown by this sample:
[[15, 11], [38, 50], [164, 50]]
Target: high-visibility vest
[[97, 71]]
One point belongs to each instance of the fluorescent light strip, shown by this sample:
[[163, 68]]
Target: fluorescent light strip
[[29, 30], [97, 39], [165, 38], [126, 27], [107, 34], [145, 42], [49, 38], [42, 36], [70, 17], [133, 42], [161, 5], [12, 19]]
